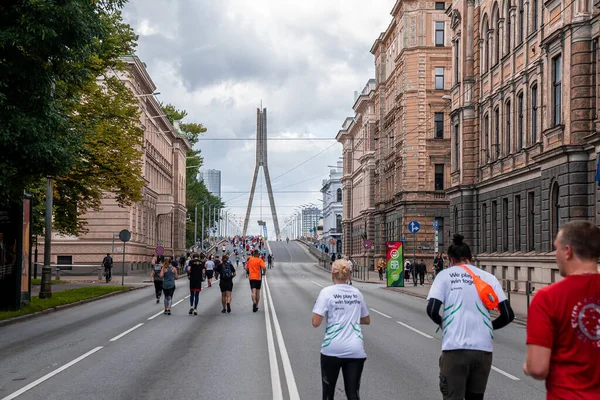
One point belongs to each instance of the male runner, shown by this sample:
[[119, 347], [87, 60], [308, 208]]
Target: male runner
[[210, 267], [270, 260], [254, 266], [227, 273]]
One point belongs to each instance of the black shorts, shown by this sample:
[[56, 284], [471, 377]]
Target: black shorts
[[226, 286], [169, 292], [209, 274], [255, 284]]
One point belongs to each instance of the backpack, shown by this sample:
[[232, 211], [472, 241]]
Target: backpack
[[226, 272], [484, 289], [107, 262]]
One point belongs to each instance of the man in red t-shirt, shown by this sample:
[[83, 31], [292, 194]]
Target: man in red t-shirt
[[563, 323]]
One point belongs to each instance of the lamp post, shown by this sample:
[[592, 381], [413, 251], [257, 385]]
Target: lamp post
[[46, 287]]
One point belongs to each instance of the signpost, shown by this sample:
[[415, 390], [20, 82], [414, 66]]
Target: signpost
[[436, 248], [125, 236], [394, 264], [414, 227]]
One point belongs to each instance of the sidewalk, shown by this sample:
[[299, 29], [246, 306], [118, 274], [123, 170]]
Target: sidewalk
[[76, 282]]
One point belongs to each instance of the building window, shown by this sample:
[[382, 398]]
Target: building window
[[439, 34], [496, 27], [521, 20], [440, 224], [530, 221], [439, 78], [339, 195], [457, 62], [507, 133], [557, 90], [594, 77], [508, 28], [438, 118], [456, 146], [521, 130], [534, 114], [440, 5], [517, 223], [338, 223], [535, 15], [505, 224], [486, 138], [455, 219], [484, 227], [494, 226], [554, 211], [497, 132], [439, 176]]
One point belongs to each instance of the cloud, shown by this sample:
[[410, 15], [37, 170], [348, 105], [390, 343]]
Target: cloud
[[219, 59]]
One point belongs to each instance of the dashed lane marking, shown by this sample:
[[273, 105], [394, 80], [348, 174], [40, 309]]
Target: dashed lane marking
[[415, 330], [126, 332], [155, 315], [318, 284], [273, 365], [179, 302], [380, 313], [50, 375], [514, 378]]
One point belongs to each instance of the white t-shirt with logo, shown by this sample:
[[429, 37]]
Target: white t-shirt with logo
[[343, 306], [466, 321]]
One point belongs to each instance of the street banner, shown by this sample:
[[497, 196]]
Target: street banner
[[394, 264]]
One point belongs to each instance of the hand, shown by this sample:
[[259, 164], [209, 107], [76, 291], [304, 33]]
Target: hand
[[525, 369]]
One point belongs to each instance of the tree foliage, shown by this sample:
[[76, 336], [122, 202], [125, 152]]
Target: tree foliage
[[196, 192]]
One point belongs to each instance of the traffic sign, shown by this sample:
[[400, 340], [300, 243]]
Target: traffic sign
[[414, 227], [159, 250], [333, 241], [403, 240], [435, 225], [214, 230], [367, 244], [124, 235], [310, 230]]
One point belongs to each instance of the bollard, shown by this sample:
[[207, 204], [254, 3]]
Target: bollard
[[508, 290], [527, 289], [57, 273], [100, 273]]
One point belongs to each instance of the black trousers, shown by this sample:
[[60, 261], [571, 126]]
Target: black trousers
[[422, 277], [415, 275], [158, 288], [351, 370], [108, 273]]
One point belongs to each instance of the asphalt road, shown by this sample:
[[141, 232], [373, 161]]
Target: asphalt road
[[81, 353]]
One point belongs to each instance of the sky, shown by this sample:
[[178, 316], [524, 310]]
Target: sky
[[219, 59]]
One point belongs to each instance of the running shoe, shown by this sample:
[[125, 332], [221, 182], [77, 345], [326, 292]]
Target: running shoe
[[191, 310], [254, 307], [157, 300], [168, 312], [223, 311], [195, 312], [228, 308]]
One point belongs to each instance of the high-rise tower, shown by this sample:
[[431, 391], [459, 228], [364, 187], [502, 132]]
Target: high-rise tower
[[261, 161]]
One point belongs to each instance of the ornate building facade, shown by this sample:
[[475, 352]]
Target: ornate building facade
[[524, 126], [159, 219], [332, 210]]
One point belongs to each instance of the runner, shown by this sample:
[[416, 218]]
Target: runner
[[158, 281], [237, 259], [209, 267], [227, 272], [195, 270], [350, 268], [217, 263], [244, 260], [270, 260], [563, 324], [343, 346], [254, 266], [467, 328], [224, 248], [169, 275]]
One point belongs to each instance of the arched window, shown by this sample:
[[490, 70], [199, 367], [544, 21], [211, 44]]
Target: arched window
[[554, 211], [485, 48], [507, 133], [338, 223], [496, 143], [508, 27], [486, 137], [339, 195], [521, 20], [496, 27], [520, 127], [534, 113]]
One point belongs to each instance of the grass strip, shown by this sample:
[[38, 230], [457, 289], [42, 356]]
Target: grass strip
[[38, 281], [61, 299]]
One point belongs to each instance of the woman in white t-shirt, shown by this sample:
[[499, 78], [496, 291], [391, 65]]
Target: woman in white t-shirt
[[343, 345]]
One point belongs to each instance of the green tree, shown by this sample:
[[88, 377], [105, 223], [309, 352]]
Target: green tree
[[196, 191]]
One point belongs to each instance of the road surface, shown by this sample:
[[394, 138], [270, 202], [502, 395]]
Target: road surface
[[124, 348]]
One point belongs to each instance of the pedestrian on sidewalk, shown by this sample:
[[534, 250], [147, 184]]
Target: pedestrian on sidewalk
[[350, 269], [563, 324], [407, 270], [414, 271], [343, 345], [169, 275], [467, 335], [422, 269], [107, 263], [157, 279], [227, 273], [438, 263], [256, 270], [196, 272], [381, 268]]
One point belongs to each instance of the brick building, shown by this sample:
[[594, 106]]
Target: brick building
[[524, 129], [160, 217]]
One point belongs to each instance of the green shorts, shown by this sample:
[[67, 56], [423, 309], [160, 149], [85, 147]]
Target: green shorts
[[464, 371]]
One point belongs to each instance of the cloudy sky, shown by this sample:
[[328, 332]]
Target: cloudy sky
[[218, 59]]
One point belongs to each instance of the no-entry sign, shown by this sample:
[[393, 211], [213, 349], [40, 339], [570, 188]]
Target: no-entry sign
[[159, 250]]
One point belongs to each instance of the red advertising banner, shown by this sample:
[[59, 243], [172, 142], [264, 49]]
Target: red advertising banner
[[394, 264]]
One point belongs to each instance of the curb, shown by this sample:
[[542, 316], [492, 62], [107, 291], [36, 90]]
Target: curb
[[27, 317]]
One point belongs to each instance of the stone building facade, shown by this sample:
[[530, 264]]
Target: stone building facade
[[411, 131], [333, 210], [160, 217], [524, 121]]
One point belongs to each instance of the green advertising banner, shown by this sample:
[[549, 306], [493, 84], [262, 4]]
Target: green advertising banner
[[394, 264]]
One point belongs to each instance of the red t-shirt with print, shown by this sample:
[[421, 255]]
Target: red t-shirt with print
[[565, 317]]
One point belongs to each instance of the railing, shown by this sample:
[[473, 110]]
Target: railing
[[515, 287]]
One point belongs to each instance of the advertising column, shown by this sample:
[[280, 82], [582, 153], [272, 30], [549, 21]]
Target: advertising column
[[394, 264]]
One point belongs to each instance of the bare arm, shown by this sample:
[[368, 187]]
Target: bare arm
[[537, 363], [316, 320], [176, 273], [365, 320]]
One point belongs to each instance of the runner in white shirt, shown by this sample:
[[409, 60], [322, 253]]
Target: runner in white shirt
[[351, 268], [343, 346], [209, 266], [467, 328]]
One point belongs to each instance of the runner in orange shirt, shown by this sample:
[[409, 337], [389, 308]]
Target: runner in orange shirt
[[254, 266]]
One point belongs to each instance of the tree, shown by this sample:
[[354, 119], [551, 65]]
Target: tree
[[196, 191]]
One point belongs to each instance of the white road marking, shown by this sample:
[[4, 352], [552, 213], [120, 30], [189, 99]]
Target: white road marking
[[50, 375], [380, 313], [126, 332], [274, 366], [415, 330], [514, 378], [179, 302], [285, 359], [186, 297], [156, 315], [318, 284]]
